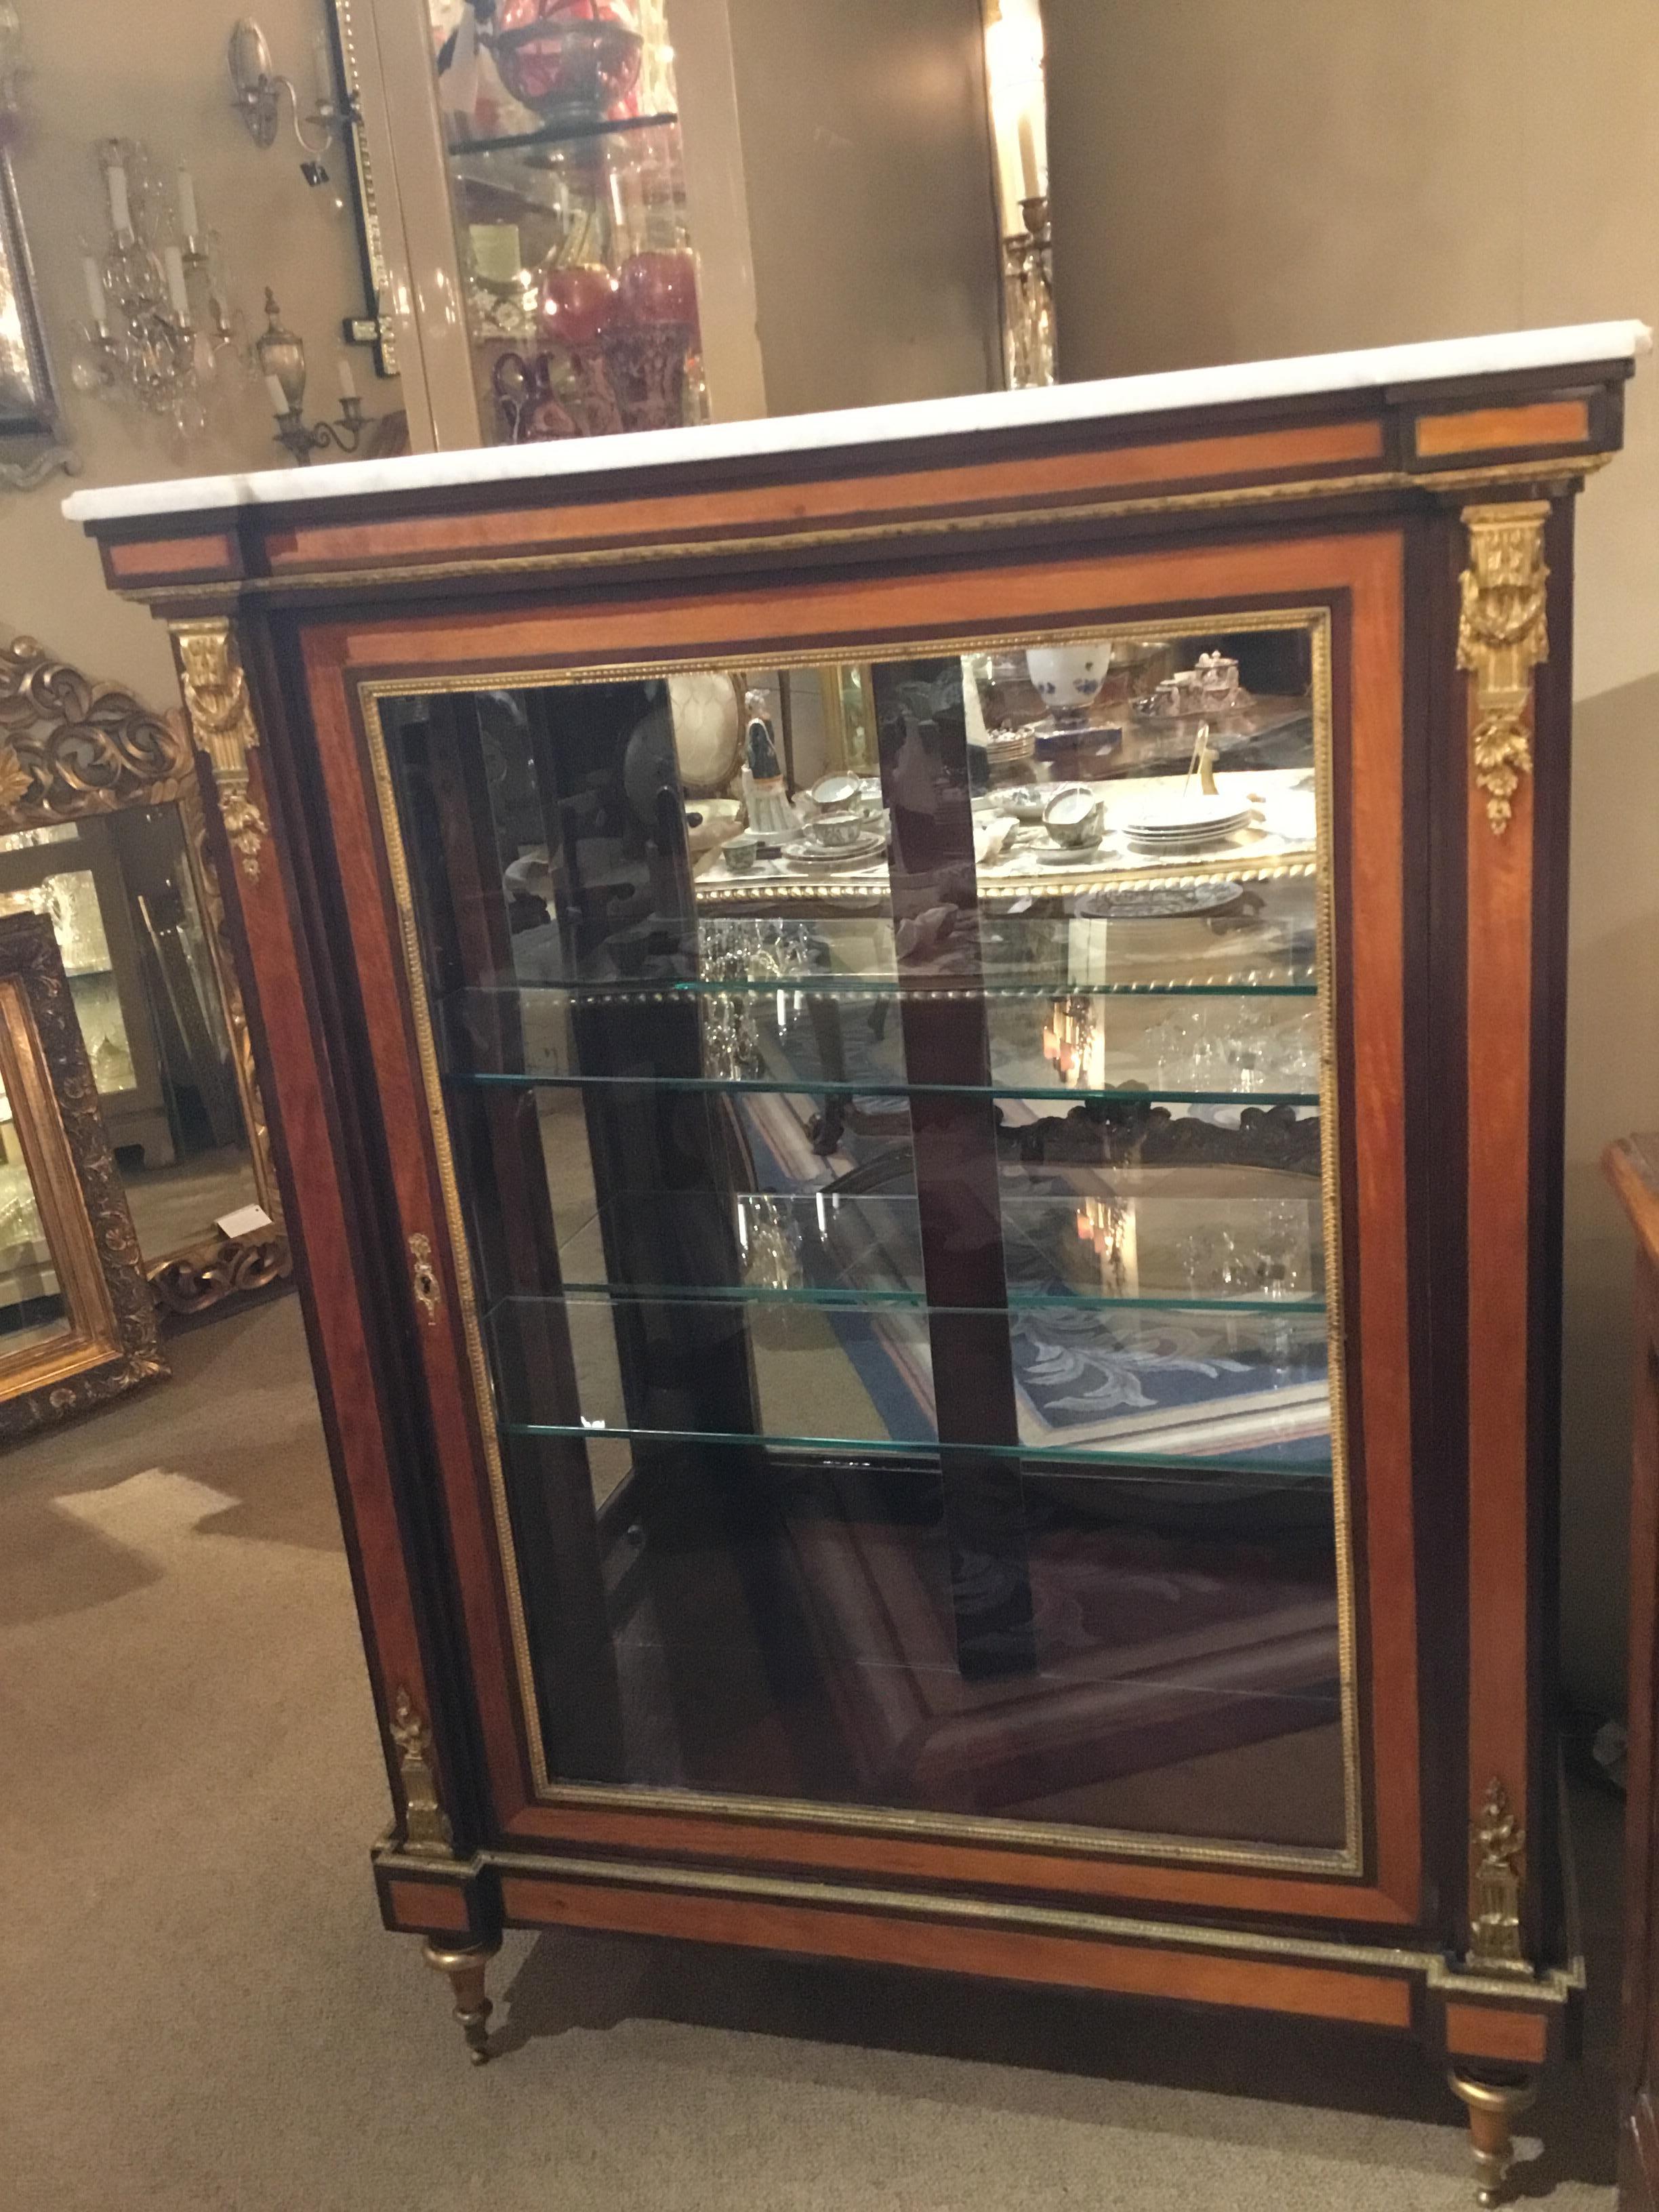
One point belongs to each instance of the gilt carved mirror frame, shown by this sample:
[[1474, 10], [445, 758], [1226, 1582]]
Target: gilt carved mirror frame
[[72, 747], [105, 1343]]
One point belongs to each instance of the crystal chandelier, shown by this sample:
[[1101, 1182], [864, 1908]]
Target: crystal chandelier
[[161, 337]]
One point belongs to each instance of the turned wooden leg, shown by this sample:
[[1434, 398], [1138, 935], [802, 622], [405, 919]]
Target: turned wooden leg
[[465, 1970], [1495, 2102]]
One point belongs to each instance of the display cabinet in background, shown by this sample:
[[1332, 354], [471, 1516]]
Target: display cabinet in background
[[919, 1063], [582, 217]]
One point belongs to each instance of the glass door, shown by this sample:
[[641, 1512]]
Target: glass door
[[562, 147], [897, 1159]]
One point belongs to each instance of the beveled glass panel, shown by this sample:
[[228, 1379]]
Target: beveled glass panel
[[896, 1175]]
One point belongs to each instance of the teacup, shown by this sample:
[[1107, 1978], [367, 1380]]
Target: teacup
[[740, 853], [1025, 802], [838, 831], [836, 793], [1073, 817]]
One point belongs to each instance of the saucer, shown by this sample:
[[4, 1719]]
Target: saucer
[[807, 854], [1063, 856]]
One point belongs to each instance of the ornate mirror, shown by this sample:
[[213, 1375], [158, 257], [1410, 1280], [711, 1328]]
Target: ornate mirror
[[101, 830]]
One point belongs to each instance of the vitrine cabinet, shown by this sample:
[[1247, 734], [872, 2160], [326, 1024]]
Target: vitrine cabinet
[[796, 203], [918, 1056]]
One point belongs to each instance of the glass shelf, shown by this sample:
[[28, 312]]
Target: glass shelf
[[789, 1086], [832, 1294], [1268, 951], [831, 983], [558, 134], [1263, 1471]]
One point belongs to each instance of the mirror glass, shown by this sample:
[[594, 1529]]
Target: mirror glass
[[122, 903], [890, 1109]]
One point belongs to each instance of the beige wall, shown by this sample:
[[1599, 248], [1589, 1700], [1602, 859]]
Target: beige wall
[[1242, 178], [111, 68], [866, 153]]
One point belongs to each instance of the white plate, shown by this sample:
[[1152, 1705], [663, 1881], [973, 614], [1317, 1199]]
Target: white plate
[[1187, 838], [1199, 816]]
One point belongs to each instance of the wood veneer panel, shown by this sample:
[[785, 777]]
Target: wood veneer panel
[[1373, 918], [1006, 1955], [376, 931], [754, 1842], [138, 560], [1037, 480], [297, 1085], [1492, 429], [429, 1905], [869, 606], [1488, 2032], [1500, 1017]]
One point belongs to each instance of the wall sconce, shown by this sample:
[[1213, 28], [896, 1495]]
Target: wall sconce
[[1019, 128], [258, 92], [281, 359], [159, 334]]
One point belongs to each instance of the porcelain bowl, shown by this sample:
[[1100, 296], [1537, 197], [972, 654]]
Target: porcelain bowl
[[1069, 677]]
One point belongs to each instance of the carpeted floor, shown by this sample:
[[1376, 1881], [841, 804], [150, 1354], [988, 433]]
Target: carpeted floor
[[201, 2009]]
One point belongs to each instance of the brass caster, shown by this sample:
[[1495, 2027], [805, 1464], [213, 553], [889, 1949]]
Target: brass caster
[[465, 1970], [1493, 2108]]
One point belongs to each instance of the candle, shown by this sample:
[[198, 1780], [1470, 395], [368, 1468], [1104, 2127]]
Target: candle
[[174, 261], [95, 278], [322, 62], [348, 382], [120, 213], [187, 215], [277, 397], [1028, 160]]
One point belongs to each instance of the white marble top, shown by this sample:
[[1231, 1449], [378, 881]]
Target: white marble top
[[1101, 401]]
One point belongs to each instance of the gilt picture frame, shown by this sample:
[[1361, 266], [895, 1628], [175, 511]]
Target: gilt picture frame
[[95, 1336]]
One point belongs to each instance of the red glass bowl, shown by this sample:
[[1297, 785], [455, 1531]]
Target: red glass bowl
[[571, 72]]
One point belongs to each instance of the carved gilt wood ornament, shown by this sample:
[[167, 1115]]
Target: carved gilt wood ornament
[[222, 719], [1497, 1846], [1501, 638], [72, 746]]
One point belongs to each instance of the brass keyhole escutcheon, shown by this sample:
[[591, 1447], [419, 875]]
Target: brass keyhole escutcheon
[[423, 1278]]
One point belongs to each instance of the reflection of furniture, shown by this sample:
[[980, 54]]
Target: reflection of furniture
[[1633, 1167], [76, 1323], [745, 133], [1198, 1658], [100, 816], [649, 1742], [78, 884]]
